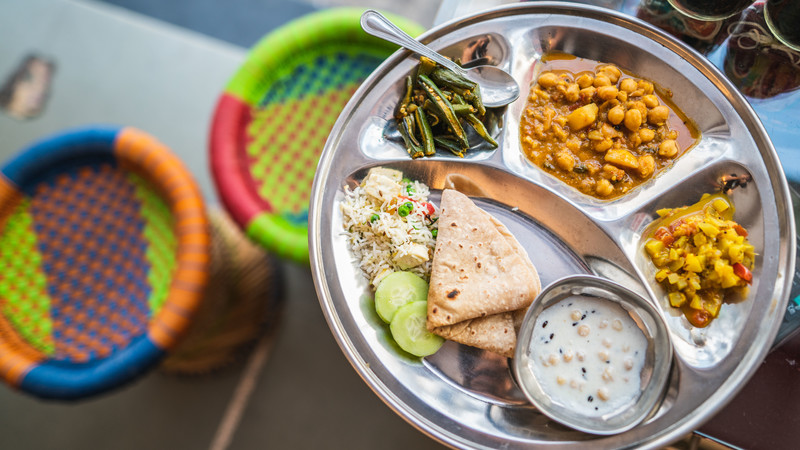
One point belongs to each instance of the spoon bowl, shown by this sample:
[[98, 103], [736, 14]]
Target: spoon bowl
[[498, 87]]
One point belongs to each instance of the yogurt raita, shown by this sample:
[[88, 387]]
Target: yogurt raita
[[587, 354]]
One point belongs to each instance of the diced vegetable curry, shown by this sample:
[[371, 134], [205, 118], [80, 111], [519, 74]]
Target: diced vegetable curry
[[703, 256], [599, 130]]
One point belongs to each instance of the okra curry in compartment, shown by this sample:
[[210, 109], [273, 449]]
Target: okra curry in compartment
[[599, 129]]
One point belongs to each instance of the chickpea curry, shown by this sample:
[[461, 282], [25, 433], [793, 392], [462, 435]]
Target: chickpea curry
[[599, 130], [703, 257]]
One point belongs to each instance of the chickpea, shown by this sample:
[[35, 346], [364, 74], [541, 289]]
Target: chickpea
[[616, 114], [565, 160], [548, 79], [585, 80], [646, 86], [634, 139], [573, 93], [640, 106], [604, 188], [628, 85], [622, 96], [650, 100], [607, 92], [647, 165], [646, 134], [658, 115], [587, 93], [542, 94], [601, 80], [637, 93], [633, 119], [612, 72], [668, 148], [672, 134]]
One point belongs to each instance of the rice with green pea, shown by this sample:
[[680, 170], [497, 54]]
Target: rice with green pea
[[397, 232]]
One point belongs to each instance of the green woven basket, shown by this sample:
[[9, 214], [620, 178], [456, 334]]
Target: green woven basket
[[272, 121]]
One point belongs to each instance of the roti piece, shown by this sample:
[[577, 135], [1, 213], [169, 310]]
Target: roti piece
[[479, 269], [495, 333], [488, 333]]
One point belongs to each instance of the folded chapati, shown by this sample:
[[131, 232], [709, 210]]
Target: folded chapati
[[495, 333], [479, 269]]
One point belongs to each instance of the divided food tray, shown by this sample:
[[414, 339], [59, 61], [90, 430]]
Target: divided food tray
[[466, 397]]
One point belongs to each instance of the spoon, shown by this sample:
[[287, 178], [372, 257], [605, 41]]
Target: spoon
[[498, 88]]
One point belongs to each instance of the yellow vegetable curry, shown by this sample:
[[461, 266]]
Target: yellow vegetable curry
[[599, 130], [703, 257]]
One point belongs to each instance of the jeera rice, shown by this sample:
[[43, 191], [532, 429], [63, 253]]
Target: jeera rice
[[390, 225]]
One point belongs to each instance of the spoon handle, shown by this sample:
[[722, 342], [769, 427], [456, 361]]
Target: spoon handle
[[377, 25]]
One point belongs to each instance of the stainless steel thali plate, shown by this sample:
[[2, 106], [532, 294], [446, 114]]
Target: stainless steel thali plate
[[465, 397]]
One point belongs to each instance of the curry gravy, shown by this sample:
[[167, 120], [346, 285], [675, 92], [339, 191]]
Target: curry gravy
[[601, 130]]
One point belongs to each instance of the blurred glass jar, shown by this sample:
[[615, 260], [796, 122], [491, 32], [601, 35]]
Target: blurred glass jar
[[783, 19], [758, 64], [701, 34], [710, 10]]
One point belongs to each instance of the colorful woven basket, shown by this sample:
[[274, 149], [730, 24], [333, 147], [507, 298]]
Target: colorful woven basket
[[243, 303], [104, 252], [272, 121]]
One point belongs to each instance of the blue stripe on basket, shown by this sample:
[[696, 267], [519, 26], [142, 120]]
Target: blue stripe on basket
[[60, 380], [52, 150]]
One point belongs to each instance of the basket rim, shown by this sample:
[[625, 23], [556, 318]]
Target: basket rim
[[134, 151]]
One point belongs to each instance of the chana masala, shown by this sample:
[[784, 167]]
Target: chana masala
[[600, 130]]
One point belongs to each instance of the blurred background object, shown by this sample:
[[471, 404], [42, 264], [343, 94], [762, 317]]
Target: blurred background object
[[103, 256], [709, 10], [702, 30], [25, 91], [783, 19], [165, 75], [274, 116], [242, 303], [756, 61]]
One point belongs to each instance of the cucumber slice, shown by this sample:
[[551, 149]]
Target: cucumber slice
[[411, 334], [396, 290]]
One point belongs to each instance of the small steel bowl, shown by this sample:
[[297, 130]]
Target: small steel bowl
[[654, 376]]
